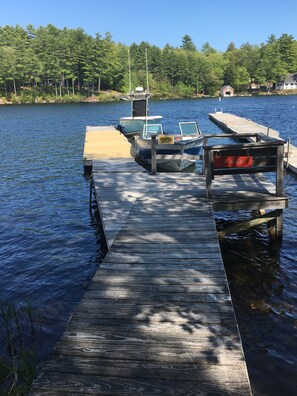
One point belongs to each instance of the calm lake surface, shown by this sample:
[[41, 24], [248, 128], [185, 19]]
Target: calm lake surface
[[50, 249]]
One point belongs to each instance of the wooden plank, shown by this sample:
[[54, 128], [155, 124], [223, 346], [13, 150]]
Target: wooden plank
[[158, 234], [129, 290], [151, 308], [79, 384], [154, 339], [148, 370], [170, 354], [112, 277], [123, 295], [150, 315], [153, 256], [168, 265], [181, 331]]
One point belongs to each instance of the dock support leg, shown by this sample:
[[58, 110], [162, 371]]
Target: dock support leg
[[275, 226], [208, 173], [91, 194], [279, 225], [153, 155]]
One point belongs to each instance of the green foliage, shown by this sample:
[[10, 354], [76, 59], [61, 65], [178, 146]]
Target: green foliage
[[17, 367], [15, 99], [187, 43], [184, 90], [47, 64]]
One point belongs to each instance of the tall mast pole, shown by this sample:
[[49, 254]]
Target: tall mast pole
[[129, 68], [147, 75]]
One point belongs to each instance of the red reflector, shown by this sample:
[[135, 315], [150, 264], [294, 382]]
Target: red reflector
[[232, 161]]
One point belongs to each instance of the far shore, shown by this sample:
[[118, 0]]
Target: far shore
[[117, 96]]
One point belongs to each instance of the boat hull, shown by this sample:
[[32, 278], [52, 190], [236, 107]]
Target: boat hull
[[189, 147]]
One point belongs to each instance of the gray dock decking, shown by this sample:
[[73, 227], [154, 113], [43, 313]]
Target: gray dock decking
[[157, 317]]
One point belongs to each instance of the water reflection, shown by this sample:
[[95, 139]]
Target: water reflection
[[266, 314]]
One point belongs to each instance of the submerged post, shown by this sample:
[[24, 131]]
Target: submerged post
[[153, 155]]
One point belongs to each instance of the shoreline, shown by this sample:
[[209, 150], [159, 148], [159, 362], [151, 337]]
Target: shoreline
[[117, 97]]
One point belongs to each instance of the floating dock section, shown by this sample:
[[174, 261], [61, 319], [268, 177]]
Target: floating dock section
[[104, 142], [238, 125]]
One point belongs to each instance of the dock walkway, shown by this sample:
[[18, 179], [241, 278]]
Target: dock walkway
[[237, 125], [158, 316]]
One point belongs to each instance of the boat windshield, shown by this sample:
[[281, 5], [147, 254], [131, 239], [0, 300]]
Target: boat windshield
[[189, 128], [152, 129]]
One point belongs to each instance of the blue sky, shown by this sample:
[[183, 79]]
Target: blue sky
[[161, 21]]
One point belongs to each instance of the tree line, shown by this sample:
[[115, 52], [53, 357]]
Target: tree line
[[47, 63]]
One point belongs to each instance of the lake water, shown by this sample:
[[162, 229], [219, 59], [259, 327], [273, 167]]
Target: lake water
[[50, 248]]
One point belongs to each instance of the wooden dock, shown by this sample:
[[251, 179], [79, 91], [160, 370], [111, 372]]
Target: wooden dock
[[158, 316], [104, 142], [238, 125]]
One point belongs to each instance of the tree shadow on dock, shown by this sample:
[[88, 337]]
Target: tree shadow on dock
[[157, 317]]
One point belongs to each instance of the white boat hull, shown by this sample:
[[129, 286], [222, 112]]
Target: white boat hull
[[189, 147]]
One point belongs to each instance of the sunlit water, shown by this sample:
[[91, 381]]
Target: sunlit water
[[49, 246]]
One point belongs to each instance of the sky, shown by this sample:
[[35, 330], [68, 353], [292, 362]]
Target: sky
[[161, 22]]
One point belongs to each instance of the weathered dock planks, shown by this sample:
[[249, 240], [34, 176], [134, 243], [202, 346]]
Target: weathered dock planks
[[118, 184], [238, 125], [158, 316]]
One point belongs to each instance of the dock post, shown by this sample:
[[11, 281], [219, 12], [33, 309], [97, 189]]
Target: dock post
[[153, 155], [280, 171], [279, 224], [287, 155], [91, 194], [208, 173], [205, 143], [275, 226]]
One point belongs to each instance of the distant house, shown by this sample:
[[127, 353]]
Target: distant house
[[226, 90], [254, 86], [288, 82]]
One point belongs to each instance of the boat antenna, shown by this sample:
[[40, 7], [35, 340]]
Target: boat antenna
[[129, 69], [147, 75], [147, 86]]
